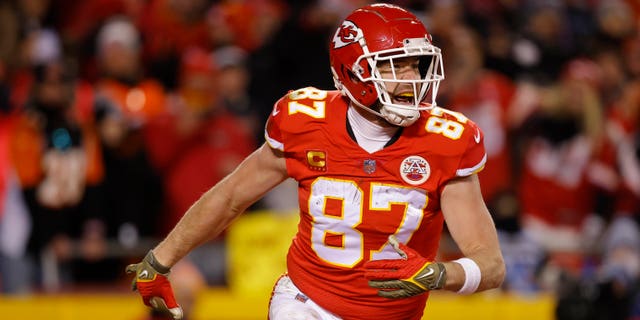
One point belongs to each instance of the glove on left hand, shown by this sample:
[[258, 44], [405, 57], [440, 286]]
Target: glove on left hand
[[406, 277], [153, 285]]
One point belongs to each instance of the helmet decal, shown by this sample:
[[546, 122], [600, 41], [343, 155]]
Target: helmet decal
[[347, 34]]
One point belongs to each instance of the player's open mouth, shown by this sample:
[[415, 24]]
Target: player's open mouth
[[404, 98]]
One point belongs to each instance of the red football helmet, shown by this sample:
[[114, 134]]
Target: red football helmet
[[381, 33]]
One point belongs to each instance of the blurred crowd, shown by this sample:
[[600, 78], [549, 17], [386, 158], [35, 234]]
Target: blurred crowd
[[115, 115]]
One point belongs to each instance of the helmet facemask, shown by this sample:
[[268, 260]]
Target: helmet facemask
[[423, 90]]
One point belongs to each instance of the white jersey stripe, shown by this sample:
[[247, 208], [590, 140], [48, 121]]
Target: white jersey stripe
[[469, 171], [275, 144]]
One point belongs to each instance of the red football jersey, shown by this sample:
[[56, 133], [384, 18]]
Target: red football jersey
[[352, 200]]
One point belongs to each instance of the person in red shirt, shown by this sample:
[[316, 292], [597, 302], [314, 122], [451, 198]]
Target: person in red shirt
[[126, 100], [380, 168], [485, 96], [193, 145], [562, 185]]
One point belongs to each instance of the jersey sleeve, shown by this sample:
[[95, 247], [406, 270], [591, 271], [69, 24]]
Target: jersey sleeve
[[474, 157], [272, 133]]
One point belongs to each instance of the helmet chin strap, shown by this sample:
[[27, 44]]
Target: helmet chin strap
[[395, 116], [399, 117], [402, 117]]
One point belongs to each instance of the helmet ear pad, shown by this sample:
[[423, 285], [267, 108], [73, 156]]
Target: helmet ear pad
[[364, 92]]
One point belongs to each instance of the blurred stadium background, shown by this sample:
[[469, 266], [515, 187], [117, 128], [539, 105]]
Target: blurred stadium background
[[115, 115]]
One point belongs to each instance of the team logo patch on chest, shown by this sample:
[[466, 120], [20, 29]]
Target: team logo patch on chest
[[415, 170]]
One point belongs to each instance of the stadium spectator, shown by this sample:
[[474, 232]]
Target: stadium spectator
[[15, 221], [196, 144], [558, 191], [248, 25], [170, 27], [57, 158], [617, 276], [484, 96], [126, 100], [233, 87], [79, 24]]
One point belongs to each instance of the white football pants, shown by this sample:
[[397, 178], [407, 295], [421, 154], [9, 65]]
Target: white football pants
[[289, 303]]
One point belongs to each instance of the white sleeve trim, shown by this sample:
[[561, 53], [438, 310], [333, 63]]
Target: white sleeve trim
[[275, 144], [469, 171]]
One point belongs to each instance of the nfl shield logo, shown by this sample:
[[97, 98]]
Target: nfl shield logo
[[369, 166]]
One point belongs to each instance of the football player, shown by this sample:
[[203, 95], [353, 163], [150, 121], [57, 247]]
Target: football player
[[380, 168]]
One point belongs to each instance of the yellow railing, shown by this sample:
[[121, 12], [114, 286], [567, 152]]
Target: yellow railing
[[221, 304]]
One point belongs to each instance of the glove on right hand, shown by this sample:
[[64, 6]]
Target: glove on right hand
[[153, 285]]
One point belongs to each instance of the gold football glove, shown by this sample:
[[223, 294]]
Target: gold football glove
[[151, 281], [409, 276]]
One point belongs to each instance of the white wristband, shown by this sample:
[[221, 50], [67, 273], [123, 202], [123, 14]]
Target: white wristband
[[472, 275]]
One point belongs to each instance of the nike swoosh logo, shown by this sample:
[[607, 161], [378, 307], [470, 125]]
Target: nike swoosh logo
[[275, 112], [476, 136], [144, 274], [425, 275]]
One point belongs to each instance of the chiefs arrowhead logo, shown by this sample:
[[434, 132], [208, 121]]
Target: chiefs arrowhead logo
[[415, 170], [348, 33]]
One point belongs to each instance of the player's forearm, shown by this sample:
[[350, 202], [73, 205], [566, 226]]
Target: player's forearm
[[220, 205], [205, 219]]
